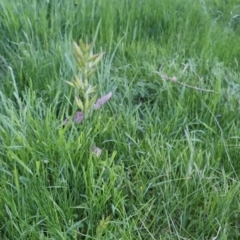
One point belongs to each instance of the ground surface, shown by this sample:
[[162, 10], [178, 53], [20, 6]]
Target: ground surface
[[170, 135]]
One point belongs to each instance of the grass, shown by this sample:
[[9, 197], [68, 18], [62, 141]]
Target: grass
[[169, 167]]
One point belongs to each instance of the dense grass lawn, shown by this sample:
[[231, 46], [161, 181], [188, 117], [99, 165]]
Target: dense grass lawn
[[170, 134]]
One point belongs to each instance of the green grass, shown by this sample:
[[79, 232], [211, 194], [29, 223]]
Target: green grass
[[169, 167]]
